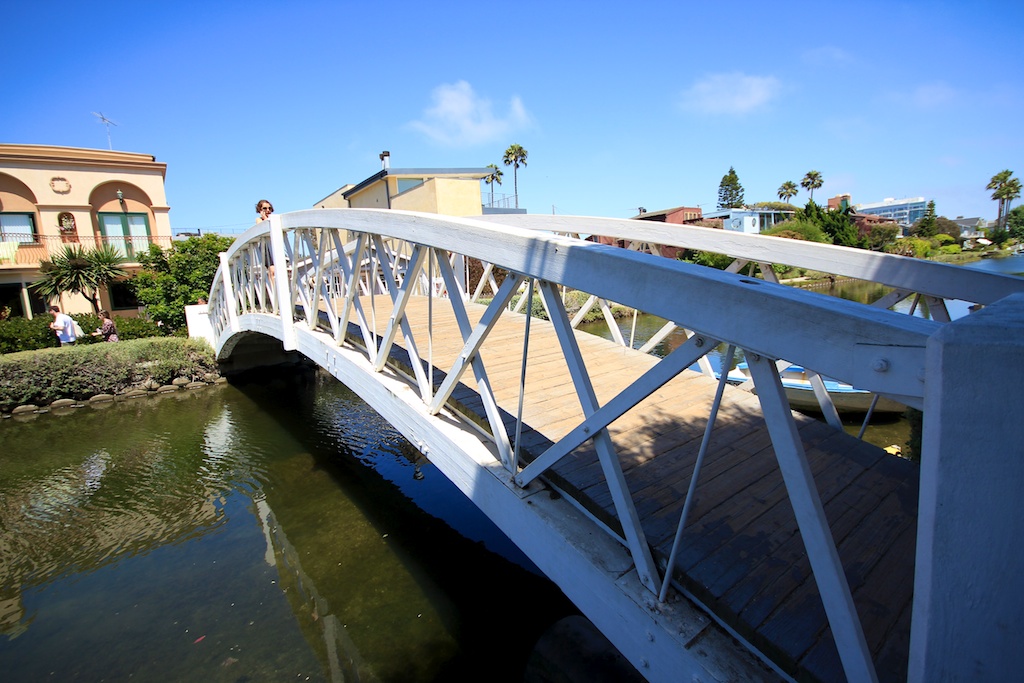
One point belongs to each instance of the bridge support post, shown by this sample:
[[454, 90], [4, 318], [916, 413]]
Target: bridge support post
[[229, 292], [969, 583], [285, 307]]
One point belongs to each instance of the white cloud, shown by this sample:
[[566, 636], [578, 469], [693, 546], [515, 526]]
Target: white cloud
[[460, 117], [827, 55], [932, 95], [732, 93]]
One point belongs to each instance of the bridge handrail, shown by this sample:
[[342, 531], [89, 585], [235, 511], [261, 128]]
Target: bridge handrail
[[876, 350], [926, 277]]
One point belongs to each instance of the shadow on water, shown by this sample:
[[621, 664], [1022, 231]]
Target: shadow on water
[[243, 533]]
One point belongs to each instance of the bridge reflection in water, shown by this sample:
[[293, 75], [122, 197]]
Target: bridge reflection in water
[[789, 534], [254, 534]]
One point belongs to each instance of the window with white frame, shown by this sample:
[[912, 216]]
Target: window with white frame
[[17, 227]]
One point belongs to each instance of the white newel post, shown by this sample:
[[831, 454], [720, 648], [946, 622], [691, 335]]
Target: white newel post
[[285, 308], [968, 613], [229, 292]]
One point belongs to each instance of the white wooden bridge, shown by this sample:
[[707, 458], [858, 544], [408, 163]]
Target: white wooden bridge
[[707, 530]]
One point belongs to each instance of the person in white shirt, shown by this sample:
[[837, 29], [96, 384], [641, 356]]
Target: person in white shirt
[[63, 325]]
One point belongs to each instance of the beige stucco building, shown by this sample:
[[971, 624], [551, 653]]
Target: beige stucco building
[[51, 197], [449, 191]]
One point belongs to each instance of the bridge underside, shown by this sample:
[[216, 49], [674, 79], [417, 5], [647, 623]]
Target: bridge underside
[[742, 554]]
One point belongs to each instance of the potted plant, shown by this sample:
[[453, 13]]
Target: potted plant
[[66, 226]]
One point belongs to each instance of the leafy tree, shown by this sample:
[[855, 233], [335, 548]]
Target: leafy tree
[[811, 182], [80, 271], [771, 206], [494, 177], [840, 227], [944, 226], [1015, 223], [881, 235], [925, 226], [177, 277], [998, 235], [515, 156], [730, 192], [787, 191]]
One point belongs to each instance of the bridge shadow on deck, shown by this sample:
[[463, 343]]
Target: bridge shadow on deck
[[742, 554]]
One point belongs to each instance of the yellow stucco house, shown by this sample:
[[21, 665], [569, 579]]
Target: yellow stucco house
[[448, 191], [54, 196]]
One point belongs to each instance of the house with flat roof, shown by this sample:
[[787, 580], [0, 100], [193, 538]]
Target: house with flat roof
[[448, 191], [52, 197]]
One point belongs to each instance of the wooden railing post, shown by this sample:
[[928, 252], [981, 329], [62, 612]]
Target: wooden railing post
[[969, 576]]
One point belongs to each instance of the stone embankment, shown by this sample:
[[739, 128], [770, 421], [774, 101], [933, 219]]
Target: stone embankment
[[148, 388]]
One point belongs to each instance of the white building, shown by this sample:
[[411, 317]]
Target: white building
[[902, 211]]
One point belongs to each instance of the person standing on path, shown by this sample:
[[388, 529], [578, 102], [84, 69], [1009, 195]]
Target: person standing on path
[[107, 329], [63, 326]]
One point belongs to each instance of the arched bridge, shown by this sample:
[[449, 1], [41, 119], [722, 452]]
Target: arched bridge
[[709, 531]]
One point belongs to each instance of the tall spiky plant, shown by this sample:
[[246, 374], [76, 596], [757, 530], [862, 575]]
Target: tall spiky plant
[[80, 271]]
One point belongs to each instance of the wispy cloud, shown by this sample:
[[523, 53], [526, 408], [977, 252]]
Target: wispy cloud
[[827, 55], [731, 93], [459, 117], [932, 95]]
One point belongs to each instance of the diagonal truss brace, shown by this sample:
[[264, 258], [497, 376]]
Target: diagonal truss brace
[[473, 339], [810, 516], [678, 360], [610, 466]]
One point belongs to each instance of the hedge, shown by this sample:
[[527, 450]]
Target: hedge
[[79, 372], [22, 334]]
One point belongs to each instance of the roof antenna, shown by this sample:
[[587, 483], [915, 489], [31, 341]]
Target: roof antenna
[[103, 119]]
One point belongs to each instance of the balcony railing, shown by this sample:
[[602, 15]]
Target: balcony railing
[[19, 254]]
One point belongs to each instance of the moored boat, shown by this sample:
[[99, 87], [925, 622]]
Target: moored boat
[[846, 398]]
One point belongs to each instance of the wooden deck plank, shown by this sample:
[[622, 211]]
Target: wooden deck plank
[[743, 553]]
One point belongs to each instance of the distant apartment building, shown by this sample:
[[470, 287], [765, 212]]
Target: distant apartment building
[[53, 197], [902, 211]]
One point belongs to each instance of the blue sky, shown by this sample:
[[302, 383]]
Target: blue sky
[[619, 104]]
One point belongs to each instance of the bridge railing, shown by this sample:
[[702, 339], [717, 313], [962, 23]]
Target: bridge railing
[[295, 275]]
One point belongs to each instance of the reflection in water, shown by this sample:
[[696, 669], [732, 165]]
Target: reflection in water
[[273, 533]]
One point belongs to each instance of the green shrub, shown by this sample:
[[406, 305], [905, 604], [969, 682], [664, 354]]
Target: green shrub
[[78, 372], [950, 249], [710, 259], [806, 229], [22, 334]]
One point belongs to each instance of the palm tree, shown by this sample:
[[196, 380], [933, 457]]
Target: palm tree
[[787, 191], [494, 177], [1003, 184], [811, 182], [80, 271], [515, 156], [1010, 192]]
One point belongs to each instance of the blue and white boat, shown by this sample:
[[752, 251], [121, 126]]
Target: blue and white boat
[[846, 398]]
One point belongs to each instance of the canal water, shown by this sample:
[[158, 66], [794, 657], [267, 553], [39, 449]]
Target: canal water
[[274, 531]]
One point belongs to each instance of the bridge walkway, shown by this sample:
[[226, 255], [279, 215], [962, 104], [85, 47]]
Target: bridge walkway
[[742, 555]]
